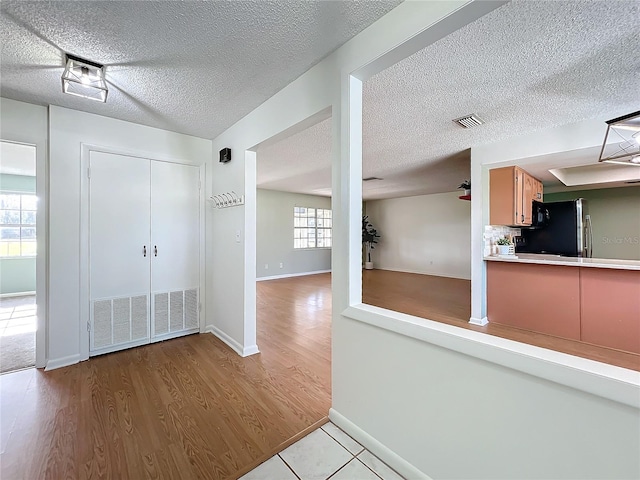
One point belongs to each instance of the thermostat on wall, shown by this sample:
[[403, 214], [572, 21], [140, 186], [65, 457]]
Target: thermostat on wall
[[225, 155]]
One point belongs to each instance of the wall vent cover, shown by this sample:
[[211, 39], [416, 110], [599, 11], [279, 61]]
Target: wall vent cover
[[469, 121]]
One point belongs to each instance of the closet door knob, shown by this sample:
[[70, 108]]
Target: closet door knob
[[155, 250], [144, 250]]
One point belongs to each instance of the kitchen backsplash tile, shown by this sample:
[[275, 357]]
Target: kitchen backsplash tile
[[491, 235]]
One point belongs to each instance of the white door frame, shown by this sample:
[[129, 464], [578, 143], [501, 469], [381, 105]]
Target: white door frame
[[86, 149], [42, 257]]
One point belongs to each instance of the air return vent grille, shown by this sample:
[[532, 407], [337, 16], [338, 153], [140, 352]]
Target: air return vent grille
[[118, 321], [469, 121]]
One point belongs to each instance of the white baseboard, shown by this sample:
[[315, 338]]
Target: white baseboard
[[288, 275], [252, 350], [235, 346], [17, 294], [388, 456], [479, 321], [431, 274], [62, 362]]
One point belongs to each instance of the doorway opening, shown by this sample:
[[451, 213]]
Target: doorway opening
[[18, 253], [294, 221]]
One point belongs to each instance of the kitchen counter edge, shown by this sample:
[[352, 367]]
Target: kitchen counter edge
[[542, 259]]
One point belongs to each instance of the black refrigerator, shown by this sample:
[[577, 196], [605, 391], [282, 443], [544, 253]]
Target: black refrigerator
[[559, 228]]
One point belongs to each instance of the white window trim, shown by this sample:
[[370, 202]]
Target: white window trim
[[20, 225], [297, 249]]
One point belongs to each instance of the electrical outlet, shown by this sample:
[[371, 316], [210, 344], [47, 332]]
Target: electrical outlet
[[266, 266], [237, 236], [281, 264]]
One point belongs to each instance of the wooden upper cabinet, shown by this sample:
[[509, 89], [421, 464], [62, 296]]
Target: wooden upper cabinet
[[538, 190], [511, 193]]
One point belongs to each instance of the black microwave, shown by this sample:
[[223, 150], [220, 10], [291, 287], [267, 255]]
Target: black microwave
[[540, 215]]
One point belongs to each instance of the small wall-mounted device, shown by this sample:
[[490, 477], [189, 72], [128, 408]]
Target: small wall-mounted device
[[225, 155]]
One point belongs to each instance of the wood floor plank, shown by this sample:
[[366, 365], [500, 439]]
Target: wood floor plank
[[188, 408], [192, 408]]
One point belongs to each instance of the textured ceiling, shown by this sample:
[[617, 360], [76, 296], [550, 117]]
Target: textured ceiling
[[524, 67], [300, 163], [189, 67]]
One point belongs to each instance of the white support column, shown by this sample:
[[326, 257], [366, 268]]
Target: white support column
[[347, 196], [249, 346], [479, 218]]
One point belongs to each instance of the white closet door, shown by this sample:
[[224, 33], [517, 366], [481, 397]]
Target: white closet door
[[175, 227], [119, 205]]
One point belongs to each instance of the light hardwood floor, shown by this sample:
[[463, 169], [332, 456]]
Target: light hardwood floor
[[180, 409], [448, 300], [192, 408]]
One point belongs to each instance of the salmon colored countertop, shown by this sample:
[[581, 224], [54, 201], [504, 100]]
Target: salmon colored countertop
[[542, 259]]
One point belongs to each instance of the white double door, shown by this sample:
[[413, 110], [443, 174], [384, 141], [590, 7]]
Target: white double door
[[144, 243]]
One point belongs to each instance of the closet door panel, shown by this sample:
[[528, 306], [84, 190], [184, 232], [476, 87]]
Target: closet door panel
[[119, 231], [175, 230]]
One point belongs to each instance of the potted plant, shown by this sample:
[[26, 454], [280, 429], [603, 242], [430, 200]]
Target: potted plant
[[504, 244], [466, 186], [369, 239]]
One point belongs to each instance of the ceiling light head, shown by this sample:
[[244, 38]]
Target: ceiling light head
[[84, 78], [469, 121], [622, 140]]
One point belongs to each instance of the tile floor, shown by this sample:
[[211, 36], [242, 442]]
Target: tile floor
[[17, 317], [17, 332], [326, 453]]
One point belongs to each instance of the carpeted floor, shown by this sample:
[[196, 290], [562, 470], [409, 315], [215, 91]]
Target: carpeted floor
[[17, 333], [17, 351]]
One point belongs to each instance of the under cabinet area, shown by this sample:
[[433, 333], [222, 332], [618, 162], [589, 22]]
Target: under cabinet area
[[511, 193], [538, 298], [599, 306], [610, 306]]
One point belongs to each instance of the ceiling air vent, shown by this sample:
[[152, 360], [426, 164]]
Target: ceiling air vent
[[468, 121], [369, 179]]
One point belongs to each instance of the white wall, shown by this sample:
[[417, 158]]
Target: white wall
[[325, 86], [410, 389], [26, 123], [274, 236], [68, 131], [458, 416], [428, 234]]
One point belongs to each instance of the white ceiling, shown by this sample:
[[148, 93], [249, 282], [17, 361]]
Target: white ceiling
[[189, 67], [17, 159], [524, 67], [198, 67]]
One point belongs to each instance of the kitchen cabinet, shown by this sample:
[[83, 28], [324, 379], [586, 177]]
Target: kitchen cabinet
[[610, 305], [594, 301], [538, 298], [511, 193]]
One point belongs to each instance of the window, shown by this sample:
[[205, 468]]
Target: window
[[17, 225], [311, 227]]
